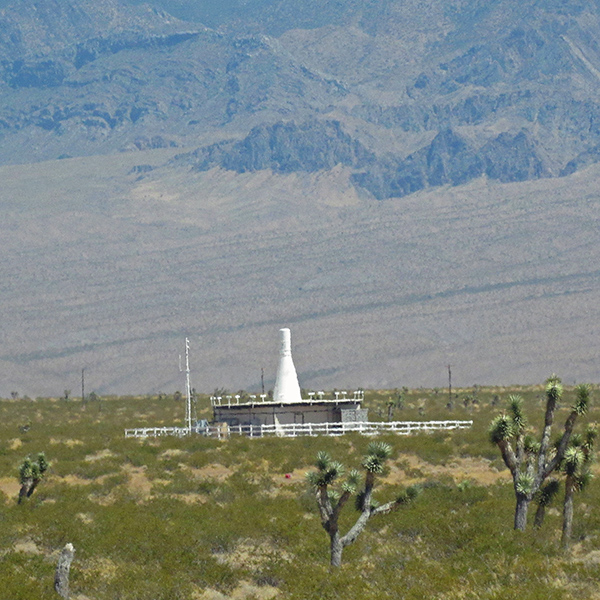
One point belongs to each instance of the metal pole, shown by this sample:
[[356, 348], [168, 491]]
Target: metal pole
[[188, 389]]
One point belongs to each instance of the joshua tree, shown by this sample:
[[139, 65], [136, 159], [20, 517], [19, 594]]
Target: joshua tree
[[331, 502], [30, 474], [531, 462], [576, 467]]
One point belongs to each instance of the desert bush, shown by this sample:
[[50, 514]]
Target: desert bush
[[161, 544]]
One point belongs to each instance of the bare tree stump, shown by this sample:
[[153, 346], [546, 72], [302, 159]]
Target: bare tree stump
[[61, 577]]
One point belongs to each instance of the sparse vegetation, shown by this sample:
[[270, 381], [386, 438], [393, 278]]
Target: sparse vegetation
[[171, 518]]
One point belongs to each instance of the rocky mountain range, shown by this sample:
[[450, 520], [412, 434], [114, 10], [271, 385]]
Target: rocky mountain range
[[320, 122], [435, 94]]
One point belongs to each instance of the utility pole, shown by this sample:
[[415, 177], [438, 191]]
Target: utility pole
[[83, 387], [449, 384], [188, 389], [262, 380]]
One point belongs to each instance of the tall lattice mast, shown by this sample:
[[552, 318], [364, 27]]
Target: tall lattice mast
[[188, 389]]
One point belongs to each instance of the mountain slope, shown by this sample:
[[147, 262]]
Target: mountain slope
[[406, 184], [110, 272]]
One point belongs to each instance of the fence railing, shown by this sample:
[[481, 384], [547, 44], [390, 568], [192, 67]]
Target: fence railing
[[313, 398], [301, 429]]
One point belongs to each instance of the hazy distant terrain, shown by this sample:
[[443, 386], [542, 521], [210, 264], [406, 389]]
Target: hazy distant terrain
[[110, 273], [404, 184]]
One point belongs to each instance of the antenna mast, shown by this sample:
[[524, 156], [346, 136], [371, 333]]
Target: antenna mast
[[188, 389]]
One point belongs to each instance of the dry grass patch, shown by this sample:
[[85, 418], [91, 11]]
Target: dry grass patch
[[66, 442], [15, 444], [213, 471], [171, 452], [477, 470], [138, 482], [85, 518], [10, 486], [103, 569], [26, 546], [99, 455], [76, 480], [252, 554], [242, 592], [190, 498]]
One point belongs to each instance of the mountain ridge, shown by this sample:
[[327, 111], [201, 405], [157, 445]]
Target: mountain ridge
[[406, 184]]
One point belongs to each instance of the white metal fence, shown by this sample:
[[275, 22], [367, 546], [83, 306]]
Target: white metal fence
[[300, 429]]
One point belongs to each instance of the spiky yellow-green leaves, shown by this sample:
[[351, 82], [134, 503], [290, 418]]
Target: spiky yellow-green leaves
[[554, 388], [377, 454], [25, 471], [583, 399], [42, 463], [351, 482], [515, 405], [525, 484], [323, 461], [591, 434], [30, 470], [328, 471], [501, 429], [573, 460]]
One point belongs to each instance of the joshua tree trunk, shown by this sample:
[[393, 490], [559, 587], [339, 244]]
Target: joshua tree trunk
[[540, 515], [61, 577], [23, 492], [567, 513], [336, 549], [521, 512]]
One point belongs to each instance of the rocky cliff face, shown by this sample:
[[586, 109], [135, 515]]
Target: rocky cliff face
[[284, 148], [408, 94]]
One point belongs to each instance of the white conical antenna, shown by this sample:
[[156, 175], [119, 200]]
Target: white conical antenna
[[287, 388], [188, 389]]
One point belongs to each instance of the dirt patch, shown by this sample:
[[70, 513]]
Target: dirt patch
[[190, 498], [138, 482], [76, 480], [10, 486], [171, 452], [587, 558], [102, 569], [27, 546], [85, 518], [99, 455], [252, 555], [477, 470], [243, 591], [215, 471], [15, 444]]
